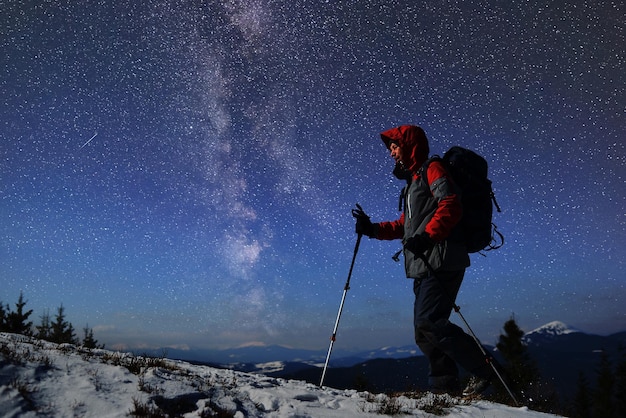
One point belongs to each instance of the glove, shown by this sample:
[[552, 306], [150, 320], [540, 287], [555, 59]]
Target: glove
[[364, 225], [419, 244]]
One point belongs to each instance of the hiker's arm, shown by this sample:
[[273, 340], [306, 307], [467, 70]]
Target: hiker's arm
[[449, 209], [391, 229]]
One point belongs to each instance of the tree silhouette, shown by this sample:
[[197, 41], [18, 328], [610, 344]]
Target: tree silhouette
[[522, 372], [62, 331], [581, 406], [520, 369], [45, 328], [17, 321], [620, 384], [89, 341], [602, 398], [3, 317]]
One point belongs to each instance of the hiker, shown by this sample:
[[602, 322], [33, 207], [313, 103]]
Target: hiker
[[426, 227]]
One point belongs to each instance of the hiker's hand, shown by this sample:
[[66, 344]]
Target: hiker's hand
[[364, 225], [419, 244]]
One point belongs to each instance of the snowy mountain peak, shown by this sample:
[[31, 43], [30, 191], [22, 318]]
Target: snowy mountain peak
[[552, 329]]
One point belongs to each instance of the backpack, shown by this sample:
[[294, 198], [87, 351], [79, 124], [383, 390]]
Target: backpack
[[469, 172]]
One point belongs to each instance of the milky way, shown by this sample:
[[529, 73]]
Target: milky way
[[182, 173]]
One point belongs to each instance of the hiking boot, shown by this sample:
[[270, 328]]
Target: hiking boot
[[476, 386], [445, 384]]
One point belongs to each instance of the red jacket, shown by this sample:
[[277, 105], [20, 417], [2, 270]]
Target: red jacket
[[447, 215]]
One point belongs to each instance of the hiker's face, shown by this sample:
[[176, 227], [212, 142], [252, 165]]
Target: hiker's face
[[396, 152]]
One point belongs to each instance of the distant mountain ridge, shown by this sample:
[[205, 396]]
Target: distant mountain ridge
[[272, 353], [561, 352], [551, 331]]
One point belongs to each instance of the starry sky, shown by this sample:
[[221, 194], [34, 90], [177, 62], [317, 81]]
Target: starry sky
[[181, 173]]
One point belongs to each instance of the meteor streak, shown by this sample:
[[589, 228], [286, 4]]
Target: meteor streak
[[94, 135]]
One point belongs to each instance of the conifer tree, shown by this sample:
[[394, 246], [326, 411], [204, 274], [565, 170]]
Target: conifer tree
[[18, 320], [522, 372], [70, 335], [44, 329], [520, 369], [3, 317], [620, 384], [603, 394], [581, 406], [89, 341], [62, 331]]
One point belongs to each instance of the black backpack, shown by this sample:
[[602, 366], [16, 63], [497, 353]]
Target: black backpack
[[469, 173]]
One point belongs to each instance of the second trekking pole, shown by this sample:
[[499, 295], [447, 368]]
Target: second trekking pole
[[343, 299]]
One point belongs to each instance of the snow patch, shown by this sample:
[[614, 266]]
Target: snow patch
[[38, 378]]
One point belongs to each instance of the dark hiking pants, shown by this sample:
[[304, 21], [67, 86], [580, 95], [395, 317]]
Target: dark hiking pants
[[442, 342]]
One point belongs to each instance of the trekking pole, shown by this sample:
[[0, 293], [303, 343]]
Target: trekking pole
[[343, 299], [457, 309]]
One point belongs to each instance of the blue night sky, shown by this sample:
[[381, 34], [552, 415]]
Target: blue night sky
[[181, 173]]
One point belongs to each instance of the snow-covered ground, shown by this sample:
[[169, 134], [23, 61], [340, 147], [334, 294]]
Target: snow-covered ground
[[38, 378]]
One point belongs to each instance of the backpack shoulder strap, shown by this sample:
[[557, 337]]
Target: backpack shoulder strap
[[424, 168]]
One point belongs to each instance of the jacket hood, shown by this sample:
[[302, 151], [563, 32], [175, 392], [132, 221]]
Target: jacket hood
[[412, 141]]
